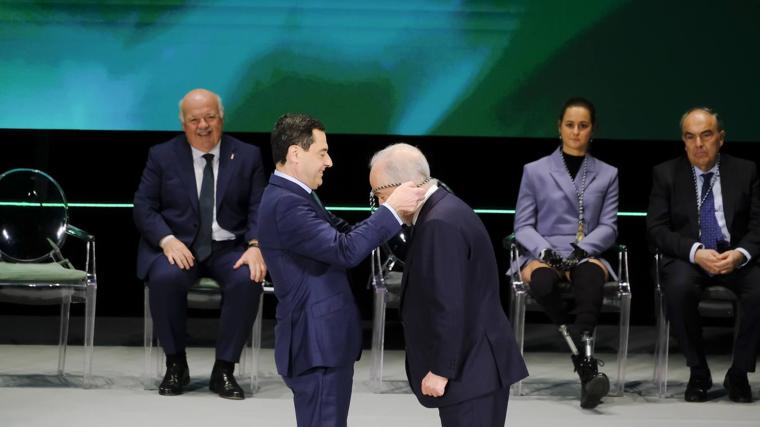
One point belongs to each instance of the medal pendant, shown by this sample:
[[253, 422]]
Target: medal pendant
[[579, 234]]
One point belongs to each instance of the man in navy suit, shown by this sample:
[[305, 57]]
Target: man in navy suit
[[308, 251], [196, 210], [704, 217], [461, 356]]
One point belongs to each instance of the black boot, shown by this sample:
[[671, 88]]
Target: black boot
[[594, 385]]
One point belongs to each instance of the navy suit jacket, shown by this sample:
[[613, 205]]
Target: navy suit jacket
[[166, 201], [672, 222], [308, 252], [454, 324]]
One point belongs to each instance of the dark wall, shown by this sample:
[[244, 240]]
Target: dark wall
[[96, 166]]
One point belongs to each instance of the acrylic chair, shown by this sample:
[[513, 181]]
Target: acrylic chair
[[33, 271], [617, 299], [385, 279], [716, 302], [203, 295]]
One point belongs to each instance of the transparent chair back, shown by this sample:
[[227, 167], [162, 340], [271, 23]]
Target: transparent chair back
[[33, 228]]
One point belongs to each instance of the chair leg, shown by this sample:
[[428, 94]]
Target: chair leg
[[89, 331], [63, 333], [661, 346], [151, 370], [378, 338], [253, 360], [518, 324], [625, 327]]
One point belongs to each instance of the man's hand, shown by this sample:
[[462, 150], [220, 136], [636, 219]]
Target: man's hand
[[252, 257], [434, 385], [709, 260], [729, 261], [406, 198], [177, 253]]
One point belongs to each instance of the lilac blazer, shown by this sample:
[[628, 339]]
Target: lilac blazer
[[547, 207]]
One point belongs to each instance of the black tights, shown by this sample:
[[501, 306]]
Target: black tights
[[587, 284]]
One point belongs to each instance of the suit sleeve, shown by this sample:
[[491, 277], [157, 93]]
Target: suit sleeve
[[147, 203], [604, 235], [526, 213], [258, 178], [659, 227], [751, 241], [303, 231], [443, 279]]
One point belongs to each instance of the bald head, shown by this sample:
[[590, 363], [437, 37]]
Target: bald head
[[199, 95], [202, 116]]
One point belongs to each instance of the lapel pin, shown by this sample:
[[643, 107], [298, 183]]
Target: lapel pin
[[232, 156]]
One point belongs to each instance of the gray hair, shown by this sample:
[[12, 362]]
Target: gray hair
[[218, 102], [402, 162]]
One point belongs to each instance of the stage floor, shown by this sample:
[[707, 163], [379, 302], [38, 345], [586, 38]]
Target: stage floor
[[32, 395]]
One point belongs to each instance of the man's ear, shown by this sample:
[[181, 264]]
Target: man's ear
[[294, 152]]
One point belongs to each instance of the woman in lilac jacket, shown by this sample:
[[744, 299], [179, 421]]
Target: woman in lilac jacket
[[566, 216]]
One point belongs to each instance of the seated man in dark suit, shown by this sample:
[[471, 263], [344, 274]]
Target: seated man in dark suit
[[196, 210], [704, 217], [461, 356]]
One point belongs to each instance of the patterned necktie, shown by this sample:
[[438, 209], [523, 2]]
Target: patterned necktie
[[710, 233], [202, 243]]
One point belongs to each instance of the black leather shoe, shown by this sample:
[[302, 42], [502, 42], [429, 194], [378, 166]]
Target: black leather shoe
[[223, 383], [177, 376], [696, 389], [738, 388]]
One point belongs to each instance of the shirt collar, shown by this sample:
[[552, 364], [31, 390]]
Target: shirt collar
[[294, 180], [198, 154], [713, 170], [428, 193]]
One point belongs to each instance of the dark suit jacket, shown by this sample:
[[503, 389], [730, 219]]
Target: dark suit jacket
[[672, 218], [454, 324], [308, 252], [166, 202]]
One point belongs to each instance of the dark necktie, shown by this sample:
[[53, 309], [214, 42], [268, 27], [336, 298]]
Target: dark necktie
[[202, 244], [408, 231], [710, 233], [321, 206]]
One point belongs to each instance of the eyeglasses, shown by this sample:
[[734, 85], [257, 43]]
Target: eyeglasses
[[208, 118], [374, 203]]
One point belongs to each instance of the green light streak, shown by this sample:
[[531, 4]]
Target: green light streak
[[332, 208]]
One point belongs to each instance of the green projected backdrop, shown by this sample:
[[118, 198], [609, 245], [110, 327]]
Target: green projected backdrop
[[413, 67]]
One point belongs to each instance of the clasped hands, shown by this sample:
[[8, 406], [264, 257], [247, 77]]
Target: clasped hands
[[714, 262], [555, 260]]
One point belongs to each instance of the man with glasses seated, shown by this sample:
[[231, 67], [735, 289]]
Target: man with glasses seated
[[704, 217]]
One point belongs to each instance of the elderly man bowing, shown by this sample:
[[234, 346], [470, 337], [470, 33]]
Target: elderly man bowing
[[461, 356]]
